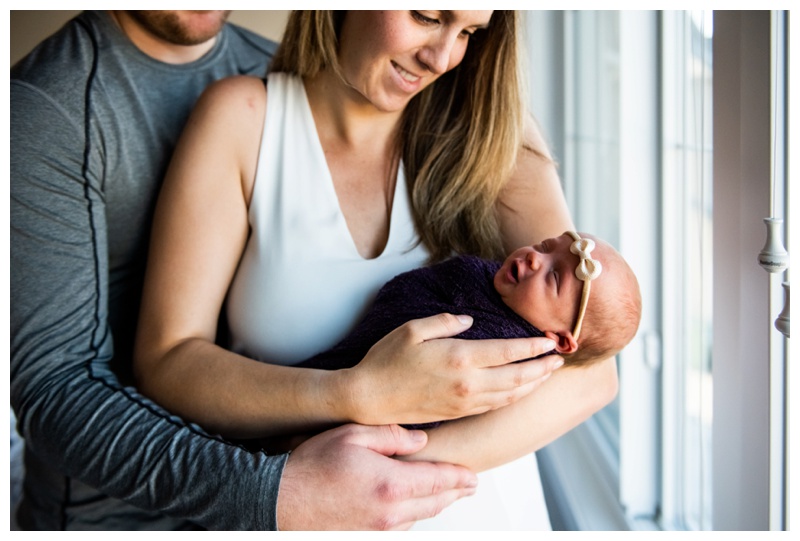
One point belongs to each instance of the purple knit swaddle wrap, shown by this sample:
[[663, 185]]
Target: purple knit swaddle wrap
[[462, 285]]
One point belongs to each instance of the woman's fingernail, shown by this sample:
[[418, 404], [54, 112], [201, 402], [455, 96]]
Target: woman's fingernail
[[465, 320], [558, 364], [549, 344]]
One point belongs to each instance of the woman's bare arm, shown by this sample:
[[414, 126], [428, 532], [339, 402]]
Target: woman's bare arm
[[566, 399], [199, 233], [532, 208]]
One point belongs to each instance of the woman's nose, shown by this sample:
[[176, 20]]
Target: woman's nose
[[436, 55]]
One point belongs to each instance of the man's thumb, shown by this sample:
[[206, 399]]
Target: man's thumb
[[390, 440]]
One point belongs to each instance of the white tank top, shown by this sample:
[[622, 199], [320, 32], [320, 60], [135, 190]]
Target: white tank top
[[302, 285]]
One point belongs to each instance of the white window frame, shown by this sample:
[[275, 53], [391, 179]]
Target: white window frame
[[750, 450]]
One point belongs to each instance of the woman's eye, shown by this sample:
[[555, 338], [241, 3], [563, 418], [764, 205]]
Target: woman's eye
[[423, 18]]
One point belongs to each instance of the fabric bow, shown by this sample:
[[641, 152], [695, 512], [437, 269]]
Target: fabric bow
[[588, 268]]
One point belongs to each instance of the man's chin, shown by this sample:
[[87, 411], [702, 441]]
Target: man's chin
[[200, 26], [182, 27]]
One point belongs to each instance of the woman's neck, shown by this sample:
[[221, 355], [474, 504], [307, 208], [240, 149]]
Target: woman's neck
[[344, 116]]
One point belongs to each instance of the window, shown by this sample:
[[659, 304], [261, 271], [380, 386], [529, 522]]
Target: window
[[627, 100], [687, 268]]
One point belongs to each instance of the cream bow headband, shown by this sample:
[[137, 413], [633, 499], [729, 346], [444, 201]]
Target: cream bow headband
[[587, 270]]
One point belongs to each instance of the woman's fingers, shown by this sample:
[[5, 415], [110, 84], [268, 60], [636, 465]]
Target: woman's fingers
[[438, 326], [420, 373], [481, 353], [510, 376], [497, 352], [499, 386], [504, 393]]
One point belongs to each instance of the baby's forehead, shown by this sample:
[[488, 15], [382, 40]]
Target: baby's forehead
[[561, 242], [615, 270]]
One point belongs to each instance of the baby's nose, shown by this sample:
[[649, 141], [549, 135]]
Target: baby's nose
[[535, 259]]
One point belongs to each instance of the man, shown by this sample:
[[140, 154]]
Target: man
[[95, 113]]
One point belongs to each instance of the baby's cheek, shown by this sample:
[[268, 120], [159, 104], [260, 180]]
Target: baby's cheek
[[533, 313]]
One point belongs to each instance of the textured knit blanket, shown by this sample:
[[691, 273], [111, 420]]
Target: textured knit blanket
[[462, 285]]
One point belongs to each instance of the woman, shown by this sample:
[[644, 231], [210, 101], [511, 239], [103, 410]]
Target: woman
[[383, 140]]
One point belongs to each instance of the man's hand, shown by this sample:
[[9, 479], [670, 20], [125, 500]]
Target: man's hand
[[344, 479]]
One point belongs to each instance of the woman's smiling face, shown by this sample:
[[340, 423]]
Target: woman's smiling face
[[390, 56]]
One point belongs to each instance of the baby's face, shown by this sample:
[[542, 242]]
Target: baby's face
[[538, 282]]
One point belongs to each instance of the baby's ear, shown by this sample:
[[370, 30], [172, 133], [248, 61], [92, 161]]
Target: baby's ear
[[565, 342]]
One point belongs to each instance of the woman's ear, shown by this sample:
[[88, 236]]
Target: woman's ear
[[565, 342]]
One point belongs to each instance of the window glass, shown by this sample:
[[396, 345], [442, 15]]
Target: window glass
[[583, 93], [687, 256]]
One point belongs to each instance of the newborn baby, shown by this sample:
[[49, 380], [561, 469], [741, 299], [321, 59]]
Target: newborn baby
[[578, 291]]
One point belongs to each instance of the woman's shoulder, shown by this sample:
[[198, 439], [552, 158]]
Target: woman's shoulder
[[243, 98], [231, 111], [232, 92], [229, 117]]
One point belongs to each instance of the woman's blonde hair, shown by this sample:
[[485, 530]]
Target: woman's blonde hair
[[459, 138]]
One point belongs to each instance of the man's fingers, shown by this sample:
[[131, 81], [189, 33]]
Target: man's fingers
[[388, 440], [427, 488], [426, 479], [412, 480], [418, 509]]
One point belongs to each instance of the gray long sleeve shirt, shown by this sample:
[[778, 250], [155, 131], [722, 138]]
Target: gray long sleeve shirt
[[93, 124]]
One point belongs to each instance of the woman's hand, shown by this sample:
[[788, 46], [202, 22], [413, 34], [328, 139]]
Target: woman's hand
[[419, 374]]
